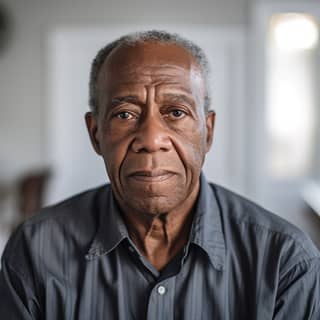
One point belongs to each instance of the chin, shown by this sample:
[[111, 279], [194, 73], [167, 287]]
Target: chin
[[154, 206]]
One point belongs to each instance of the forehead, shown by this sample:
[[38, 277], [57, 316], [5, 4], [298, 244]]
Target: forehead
[[152, 53], [149, 62]]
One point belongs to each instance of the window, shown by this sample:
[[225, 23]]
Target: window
[[292, 69]]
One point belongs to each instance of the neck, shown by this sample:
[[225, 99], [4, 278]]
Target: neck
[[161, 237]]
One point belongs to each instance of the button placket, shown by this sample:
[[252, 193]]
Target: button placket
[[161, 300]]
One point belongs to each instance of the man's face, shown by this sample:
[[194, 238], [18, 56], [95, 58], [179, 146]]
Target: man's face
[[151, 128]]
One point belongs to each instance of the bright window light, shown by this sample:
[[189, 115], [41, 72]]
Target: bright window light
[[292, 98], [293, 32]]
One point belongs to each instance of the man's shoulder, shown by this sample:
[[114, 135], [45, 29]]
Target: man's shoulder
[[242, 210], [239, 214], [269, 255], [86, 203], [73, 220]]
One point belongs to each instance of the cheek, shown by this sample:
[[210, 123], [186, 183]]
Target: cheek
[[191, 148], [114, 151], [197, 153], [194, 134]]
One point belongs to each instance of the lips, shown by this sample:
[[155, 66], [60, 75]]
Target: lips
[[156, 175]]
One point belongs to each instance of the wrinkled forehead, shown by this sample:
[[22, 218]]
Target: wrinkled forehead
[[150, 59]]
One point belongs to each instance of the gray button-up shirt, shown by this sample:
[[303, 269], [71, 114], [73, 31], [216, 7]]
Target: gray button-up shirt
[[75, 260]]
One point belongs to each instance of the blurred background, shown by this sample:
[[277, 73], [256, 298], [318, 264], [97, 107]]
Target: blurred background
[[265, 61]]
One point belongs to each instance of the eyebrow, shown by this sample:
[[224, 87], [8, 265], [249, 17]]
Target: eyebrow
[[178, 97], [131, 98]]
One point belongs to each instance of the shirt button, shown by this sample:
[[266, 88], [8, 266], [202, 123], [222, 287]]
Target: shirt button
[[161, 290]]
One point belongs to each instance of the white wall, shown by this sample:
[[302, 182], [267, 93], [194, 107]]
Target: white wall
[[281, 195]]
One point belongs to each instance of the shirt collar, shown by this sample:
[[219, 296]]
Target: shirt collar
[[111, 228], [206, 231]]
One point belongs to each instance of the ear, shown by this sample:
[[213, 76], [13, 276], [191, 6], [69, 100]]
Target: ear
[[210, 120], [92, 126]]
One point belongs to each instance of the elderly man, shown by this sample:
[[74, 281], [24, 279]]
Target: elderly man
[[159, 242]]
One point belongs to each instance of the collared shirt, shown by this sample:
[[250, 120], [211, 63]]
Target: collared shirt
[[75, 260]]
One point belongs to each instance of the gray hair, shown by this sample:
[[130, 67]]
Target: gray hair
[[148, 36]]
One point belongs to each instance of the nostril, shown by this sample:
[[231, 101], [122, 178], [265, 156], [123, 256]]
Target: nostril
[[138, 148], [147, 144], [151, 142]]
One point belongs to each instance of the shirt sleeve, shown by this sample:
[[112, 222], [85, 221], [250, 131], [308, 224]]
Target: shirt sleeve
[[17, 299], [299, 292]]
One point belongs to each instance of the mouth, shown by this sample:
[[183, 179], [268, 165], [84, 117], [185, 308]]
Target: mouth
[[151, 175]]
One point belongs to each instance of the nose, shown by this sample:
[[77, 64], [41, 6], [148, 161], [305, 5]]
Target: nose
[[151, 136]]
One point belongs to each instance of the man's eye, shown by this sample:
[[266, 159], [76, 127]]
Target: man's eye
[[124, 115], [177, 113]]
